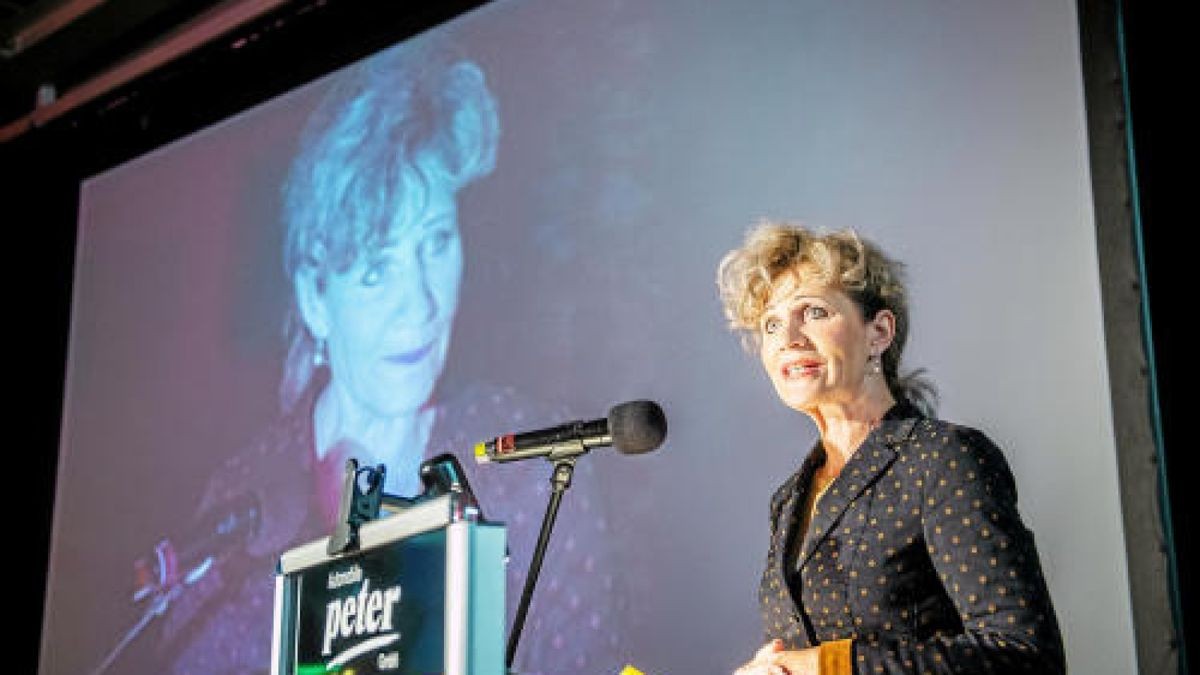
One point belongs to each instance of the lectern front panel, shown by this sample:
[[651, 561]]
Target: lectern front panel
[[424, 594], [379, 612]]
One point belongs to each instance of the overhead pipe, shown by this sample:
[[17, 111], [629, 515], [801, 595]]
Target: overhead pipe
[[192, 35]]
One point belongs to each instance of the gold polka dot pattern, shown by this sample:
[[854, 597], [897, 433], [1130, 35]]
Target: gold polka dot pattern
[[917, 553]]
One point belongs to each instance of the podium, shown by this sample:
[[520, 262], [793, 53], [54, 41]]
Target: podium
[[422, 593]]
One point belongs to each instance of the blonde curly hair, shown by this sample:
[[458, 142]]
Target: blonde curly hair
[[839, 259]]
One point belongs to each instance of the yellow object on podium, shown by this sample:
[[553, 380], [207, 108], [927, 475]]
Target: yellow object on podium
[[630, 670]]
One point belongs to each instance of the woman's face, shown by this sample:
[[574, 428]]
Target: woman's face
[[389, 314], [815, 344]]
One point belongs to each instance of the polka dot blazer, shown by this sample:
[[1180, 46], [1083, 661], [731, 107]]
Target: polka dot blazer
[[916, 553]]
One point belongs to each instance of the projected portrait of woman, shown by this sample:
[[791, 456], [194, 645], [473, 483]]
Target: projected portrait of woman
[[373, 254]]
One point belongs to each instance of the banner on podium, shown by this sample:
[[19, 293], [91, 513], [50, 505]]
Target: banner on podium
[[424, 593]]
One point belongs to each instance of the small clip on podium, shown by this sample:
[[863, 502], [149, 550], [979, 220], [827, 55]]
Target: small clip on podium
[[418, 589]]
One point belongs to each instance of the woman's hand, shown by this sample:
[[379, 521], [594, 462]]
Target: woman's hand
[[773, 659], [763, 662]]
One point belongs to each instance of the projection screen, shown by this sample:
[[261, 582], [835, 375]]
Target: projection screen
[[602, 156]]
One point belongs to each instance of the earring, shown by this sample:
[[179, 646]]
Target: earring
[[318, 357], [875, 363]]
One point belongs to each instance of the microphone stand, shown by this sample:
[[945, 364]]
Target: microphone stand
[[158, 606], [564, 468]]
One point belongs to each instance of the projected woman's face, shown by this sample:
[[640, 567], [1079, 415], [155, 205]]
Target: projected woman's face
[[388, 316]]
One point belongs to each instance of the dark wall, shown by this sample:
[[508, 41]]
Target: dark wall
[[38, 210], [1157, 64]]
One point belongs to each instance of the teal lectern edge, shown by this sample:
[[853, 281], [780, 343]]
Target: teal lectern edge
[[283, 625], [474, 599], [487, 595]]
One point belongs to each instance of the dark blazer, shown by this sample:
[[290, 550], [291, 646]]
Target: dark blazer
[[917, 553]]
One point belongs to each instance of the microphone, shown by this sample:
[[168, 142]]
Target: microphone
[[632, 428], [217, 533]]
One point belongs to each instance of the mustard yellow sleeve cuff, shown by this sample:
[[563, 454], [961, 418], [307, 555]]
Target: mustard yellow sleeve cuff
[[834, 658]]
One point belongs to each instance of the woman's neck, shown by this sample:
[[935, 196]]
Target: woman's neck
[[398, 441], [844, 426]]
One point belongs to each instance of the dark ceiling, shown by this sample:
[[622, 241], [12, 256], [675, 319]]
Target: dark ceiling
[[162, 68], [64, 43]]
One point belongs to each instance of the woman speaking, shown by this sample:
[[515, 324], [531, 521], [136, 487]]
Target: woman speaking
[[897, 546]]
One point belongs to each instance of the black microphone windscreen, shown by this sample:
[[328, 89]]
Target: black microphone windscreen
[[637, 426]]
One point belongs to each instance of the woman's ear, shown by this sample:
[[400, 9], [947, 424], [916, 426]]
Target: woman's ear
[[310, 300], [881, 331]]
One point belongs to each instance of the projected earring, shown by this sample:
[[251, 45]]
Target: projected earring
[[319, 358], [875, 363]]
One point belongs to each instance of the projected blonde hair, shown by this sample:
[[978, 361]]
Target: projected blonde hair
[[413, 119]]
